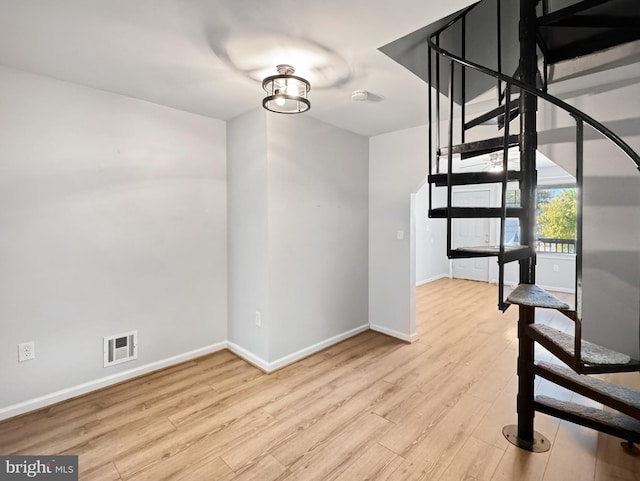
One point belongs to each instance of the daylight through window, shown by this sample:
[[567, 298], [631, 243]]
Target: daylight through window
[[556, 219]]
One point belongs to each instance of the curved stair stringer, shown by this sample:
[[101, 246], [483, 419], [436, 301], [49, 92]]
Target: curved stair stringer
[[583, 358]]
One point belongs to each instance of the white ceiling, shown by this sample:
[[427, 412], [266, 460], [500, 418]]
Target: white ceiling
[[194, 55]]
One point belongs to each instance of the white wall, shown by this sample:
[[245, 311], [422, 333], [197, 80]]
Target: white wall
[[430, 237], [113, 218], [397, 168], [554, 272], [248, 233], [298, 250]]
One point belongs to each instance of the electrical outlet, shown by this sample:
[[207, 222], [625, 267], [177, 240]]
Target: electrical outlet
[[26, 351], [258, 319], [556, 268]]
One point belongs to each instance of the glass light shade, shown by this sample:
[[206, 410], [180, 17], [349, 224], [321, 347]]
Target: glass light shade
[[286, 93]]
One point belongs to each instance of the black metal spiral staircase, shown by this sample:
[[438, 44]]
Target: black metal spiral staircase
[[545, 38]]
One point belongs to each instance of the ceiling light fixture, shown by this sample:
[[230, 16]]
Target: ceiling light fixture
[[286, 93]]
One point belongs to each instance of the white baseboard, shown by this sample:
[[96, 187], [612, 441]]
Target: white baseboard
[[296, 356], [248, 356], [68, 393], [558, 289], [390, 332], [546, 288], [431, 279]]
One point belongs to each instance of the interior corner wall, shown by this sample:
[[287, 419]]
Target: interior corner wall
[[397, 168], [318, 235], [113, 218], [248, 235]]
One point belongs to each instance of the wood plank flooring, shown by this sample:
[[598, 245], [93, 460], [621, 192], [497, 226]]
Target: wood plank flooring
[[369, 408]]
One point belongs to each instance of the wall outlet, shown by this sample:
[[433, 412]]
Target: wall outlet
[[556, 268], [258, 319], [26, 351]]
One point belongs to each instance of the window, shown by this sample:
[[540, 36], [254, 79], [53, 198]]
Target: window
[[556, 225], [556, 219]]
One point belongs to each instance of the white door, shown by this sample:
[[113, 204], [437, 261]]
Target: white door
[[471, 233]]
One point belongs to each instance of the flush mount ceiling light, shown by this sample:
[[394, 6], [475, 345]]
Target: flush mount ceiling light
[[286, 93]]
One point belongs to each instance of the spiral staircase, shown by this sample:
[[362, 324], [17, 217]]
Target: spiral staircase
[[549, 32]]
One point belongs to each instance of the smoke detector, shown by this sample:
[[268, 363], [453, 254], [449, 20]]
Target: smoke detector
[[359, 95]]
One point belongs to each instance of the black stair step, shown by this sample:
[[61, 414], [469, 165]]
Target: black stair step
[[474, 212], [535, 296], [618, 397], [513, 114], [615, 424], [597, 10], [577, 8], [594, 358], [472, 178], [511, 252], [497, 113], [472, 149], [588, 27]]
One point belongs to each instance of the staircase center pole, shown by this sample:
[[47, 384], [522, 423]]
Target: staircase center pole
[[529, 136], [528, 147], [524, 435]]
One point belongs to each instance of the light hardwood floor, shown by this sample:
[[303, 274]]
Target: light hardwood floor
[[368, 408]]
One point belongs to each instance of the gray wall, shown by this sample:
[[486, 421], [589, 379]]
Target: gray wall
[[318, 232], [113, 218], [298, 249], [612, 211], [481, 46]]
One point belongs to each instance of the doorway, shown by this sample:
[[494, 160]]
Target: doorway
[[471, 233]]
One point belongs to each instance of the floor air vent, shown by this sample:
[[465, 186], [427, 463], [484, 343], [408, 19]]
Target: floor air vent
[[120, 348]]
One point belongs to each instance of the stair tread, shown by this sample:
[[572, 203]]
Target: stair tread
[[619, 393], [470, 149], [590, 9], [467, 178], [474, 212], [592, 354], [588, 27], [492, 250], [511, 252], [615, 420], [534, 296], [493, 114]]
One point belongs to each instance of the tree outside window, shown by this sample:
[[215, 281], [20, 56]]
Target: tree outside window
[[556, 231], [556, 219]]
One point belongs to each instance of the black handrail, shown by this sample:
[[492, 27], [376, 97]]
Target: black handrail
[[577, 343], [503, 196], [576, 113]]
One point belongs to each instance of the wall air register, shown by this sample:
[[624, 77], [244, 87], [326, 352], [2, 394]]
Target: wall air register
[[120, 348]]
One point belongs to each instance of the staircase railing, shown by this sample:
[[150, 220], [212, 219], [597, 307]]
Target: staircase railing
[[531, 88], [511, 84]]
